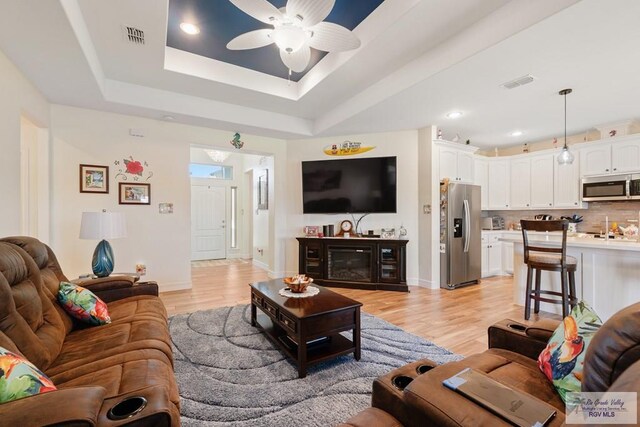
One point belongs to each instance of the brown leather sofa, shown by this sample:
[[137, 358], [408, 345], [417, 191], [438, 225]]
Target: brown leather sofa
[[413, 395], [94, 368]]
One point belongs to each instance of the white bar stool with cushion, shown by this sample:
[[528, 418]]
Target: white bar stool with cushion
[[544, 257]]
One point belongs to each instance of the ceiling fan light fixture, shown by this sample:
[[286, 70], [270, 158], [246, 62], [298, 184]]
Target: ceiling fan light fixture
[[189, 28], [289, 38]]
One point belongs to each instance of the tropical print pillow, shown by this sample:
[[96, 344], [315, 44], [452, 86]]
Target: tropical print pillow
[[19, 378], [562, 360], [83, 304]]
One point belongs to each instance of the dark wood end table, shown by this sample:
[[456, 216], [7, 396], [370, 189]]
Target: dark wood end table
[[306, 329]]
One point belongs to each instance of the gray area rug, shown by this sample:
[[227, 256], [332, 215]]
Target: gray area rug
[[229, 374]]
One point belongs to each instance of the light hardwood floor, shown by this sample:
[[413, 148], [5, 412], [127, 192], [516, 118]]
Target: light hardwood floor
[[457, 320]]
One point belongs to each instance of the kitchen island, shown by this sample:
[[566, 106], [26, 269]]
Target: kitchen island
[[607, 277]]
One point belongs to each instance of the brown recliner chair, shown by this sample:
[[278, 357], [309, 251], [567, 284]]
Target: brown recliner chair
[[94, 368], [413, 395]]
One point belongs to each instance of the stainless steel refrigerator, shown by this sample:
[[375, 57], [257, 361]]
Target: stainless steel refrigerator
[[460, 248]]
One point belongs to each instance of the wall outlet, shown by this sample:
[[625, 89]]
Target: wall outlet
[[141, 269]]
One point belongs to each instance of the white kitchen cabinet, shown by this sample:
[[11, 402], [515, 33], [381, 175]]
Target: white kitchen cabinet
[[456, 164], [620, 156], [566, 185], [495, 258], [481, 178], [499, 180], [625, 156], [542, 181], [491, 259], [492, 256], [465, 167], [485, 261], [448, 163], [595, 160], [520, 194]]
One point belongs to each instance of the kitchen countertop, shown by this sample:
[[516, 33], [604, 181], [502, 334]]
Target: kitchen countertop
[[578, 241]]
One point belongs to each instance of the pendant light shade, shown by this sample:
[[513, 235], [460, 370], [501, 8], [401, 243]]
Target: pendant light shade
[[565, 157]]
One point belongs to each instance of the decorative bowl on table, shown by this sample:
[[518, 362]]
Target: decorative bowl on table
[[298, 284]]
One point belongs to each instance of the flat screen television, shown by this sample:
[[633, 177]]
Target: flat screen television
[[366, 185]]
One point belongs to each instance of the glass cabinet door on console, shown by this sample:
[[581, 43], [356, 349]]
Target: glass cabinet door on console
[[314, 260], [389, 257]]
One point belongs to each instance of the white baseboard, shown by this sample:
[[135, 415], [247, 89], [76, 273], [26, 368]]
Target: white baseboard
[[174, 286], [260, 264], [238, 256], [423, 283]]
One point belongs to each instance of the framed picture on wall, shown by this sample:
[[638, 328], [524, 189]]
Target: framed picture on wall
[[94, 179], [263, 190], [134, 194]]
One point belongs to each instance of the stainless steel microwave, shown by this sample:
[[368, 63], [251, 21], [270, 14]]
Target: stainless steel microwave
[[611, 188]]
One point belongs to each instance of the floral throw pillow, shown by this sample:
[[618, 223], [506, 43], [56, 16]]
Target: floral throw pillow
[[83, 304], [563, 359], [19, 378]]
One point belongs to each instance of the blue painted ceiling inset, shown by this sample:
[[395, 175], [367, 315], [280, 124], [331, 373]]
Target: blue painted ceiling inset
[[220, 21]]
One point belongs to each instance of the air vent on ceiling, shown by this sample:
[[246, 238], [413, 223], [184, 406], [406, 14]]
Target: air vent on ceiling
[[134, 35], [520, 81]]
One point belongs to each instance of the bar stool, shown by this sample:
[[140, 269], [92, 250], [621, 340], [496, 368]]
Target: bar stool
[[539, 258]]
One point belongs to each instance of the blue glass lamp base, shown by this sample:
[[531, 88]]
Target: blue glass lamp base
[[102, 262]]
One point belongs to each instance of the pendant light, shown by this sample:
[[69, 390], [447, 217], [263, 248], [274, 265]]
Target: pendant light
[[565, 157]]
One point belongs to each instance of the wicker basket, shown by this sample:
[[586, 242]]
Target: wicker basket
[[297, 288]]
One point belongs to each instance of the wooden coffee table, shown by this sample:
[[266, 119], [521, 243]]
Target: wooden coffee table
[[306, 329]]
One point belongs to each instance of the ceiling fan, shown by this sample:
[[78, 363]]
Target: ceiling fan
[[297, 28]]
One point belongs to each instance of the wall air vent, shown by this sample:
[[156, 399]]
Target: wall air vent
[[520, 81], [134, 35]]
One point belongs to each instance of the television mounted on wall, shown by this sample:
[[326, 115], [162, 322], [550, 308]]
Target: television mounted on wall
[[364, 185]]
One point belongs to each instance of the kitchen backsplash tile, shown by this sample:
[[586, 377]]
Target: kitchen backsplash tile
[[593, 218]]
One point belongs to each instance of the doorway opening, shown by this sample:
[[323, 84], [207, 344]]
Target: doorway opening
[[229, 226], [34, 180]]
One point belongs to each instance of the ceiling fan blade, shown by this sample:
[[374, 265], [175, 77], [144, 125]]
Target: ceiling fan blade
[[297, 61], [310, 11], [333, 38], [251, 40], [262, 10]]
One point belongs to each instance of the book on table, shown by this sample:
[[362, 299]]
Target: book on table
[[514, 406]]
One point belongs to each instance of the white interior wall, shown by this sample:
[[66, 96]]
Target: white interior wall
[[428, 210], [162, 242], [261, 250], [19, 98], [403, 145]]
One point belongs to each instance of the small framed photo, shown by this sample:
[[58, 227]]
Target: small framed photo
[[311, 230], [134, 194], [94, 179]]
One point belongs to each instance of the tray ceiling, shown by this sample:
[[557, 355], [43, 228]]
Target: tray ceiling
[[220, 21]]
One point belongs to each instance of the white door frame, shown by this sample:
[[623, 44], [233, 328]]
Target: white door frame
[[34, 180]]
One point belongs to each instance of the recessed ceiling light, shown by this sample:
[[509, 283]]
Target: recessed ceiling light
[[516, 133], [168, 118], [189, 28], [454, 115]]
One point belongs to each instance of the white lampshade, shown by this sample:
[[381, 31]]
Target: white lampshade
[[103, 225]]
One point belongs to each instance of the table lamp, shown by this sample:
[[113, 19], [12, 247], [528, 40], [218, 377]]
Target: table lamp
[[102, 225]]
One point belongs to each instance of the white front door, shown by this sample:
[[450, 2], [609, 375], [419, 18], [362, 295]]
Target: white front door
[[208, 233]]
